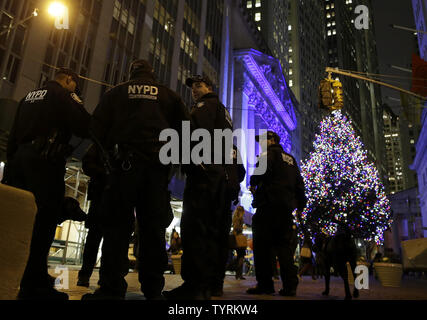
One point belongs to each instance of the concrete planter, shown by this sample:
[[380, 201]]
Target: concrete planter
[[17, 214], [389, 274]]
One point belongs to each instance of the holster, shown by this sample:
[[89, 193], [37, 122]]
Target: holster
[[51, 149]]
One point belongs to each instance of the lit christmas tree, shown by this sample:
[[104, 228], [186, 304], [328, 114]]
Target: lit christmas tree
[[342, 187]]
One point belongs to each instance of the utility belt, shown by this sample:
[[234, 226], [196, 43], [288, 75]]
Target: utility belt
[[50, 149], [125, 157]]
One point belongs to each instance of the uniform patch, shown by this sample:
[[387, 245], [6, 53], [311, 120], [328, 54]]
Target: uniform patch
[[200, 104], [288, 159], [137, 91], [35, 96], [76, 98]]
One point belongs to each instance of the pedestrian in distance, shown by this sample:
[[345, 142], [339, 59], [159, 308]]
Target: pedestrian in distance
[[238, 230]]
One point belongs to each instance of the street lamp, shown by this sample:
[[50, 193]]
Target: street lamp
[[60, 12], [57, 9], [11, 27]]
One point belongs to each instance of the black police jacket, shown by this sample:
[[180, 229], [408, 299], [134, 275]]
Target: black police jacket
[[45, 110], [281, 184], [210, 114], [133, 114]]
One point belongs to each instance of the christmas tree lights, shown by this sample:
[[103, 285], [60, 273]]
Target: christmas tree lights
[[343, 189]]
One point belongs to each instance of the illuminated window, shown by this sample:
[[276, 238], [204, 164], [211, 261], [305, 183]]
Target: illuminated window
[[249, 4], [258, 3], [258, 16], [289, 27], [116, 11]]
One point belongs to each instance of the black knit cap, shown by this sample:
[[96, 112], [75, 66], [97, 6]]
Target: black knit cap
[[197, 78], [267, 136], [140, 66]]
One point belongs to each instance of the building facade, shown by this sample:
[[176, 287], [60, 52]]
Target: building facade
[[399, 137], [307, 63], [407, 219], [420, 162]]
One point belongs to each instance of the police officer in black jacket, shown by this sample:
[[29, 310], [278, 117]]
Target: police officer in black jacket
[[37, 150], [277, 192], [206, 218], [128, 122]]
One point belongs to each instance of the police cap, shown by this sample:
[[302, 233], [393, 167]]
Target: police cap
[[140, 66], [197, 78], [267, 136]]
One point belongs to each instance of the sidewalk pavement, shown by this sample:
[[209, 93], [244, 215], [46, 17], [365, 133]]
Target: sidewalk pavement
[[411, 289]]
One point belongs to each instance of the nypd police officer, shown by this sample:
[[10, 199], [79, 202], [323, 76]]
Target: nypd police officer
[[277, 192], [128, 122], [206, 219], [37, 149]]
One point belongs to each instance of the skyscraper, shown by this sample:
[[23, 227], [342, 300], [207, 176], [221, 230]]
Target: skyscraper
[[355, 50], [307, 63]]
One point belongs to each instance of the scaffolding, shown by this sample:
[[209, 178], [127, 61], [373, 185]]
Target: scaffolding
[[69, 249]]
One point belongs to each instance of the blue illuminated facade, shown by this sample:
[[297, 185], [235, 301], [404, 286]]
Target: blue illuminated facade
[[261, 101], [420, 162]]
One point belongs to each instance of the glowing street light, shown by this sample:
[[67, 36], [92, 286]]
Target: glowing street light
[[57, 9], [60, 12]]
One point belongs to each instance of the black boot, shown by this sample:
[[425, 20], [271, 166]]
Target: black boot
[[186, 292], [101, 294], [260, 290], [83, 281]]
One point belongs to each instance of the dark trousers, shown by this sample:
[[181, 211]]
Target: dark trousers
[[46, 181], [217, 282], [272, 238], [205, 225], [142, 191], [90, 253], [94, 236], [240, 259]]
